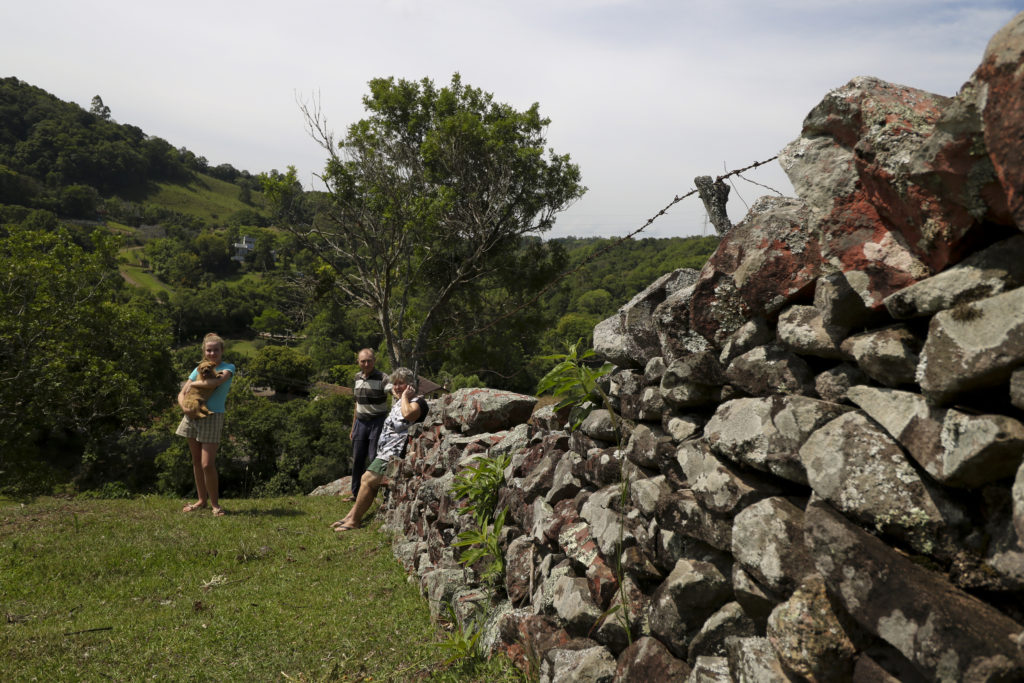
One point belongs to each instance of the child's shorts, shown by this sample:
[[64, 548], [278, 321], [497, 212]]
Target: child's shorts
[[378, 466], [204, 430]]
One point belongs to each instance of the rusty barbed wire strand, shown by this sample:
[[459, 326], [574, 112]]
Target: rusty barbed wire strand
[[754, 182], [609, 247]]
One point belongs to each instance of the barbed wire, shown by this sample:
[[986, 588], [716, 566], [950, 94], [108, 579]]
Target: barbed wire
[[608, 247], [754, 182]]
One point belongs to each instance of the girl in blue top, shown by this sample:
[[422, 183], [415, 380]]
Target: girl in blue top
[[203, 433]]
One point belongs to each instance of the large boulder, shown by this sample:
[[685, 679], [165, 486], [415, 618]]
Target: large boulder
[[573, 662], [728, 622], [691, 593], [973, 346], [956, 448], [767, 433], [985, 273], [672, 323], [809, 636], [692, 380], [476, 410], [770, 369], [803, 329], [719, 487], [897, 180], [754, 659], [1000, 88], [680, 513], [767, 541], [862, 472], [574, 605], [646, 660], [767, 261], [948, 634], [888, 356], [629, 338]]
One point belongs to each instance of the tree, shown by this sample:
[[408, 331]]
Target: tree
[[78, 366], [281, 367], [595, 301], [213, 251], [272, 321], [99, 109], [426, 198]]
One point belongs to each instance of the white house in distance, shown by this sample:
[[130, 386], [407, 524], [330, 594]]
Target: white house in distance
[[243, 248]]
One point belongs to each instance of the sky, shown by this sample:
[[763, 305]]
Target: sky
[[644, 95]]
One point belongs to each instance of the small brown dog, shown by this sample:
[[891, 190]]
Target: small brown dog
[[195, 399]]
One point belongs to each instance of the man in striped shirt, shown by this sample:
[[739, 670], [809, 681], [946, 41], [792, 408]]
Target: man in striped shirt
[[371, 394]]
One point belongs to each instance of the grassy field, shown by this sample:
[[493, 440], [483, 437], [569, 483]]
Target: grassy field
[[134, 589], [242, 347], [142, 277], [208, 198]]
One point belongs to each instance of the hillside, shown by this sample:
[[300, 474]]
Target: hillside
[[79, 164]]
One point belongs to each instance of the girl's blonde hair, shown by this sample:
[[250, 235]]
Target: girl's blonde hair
[[213, 337]]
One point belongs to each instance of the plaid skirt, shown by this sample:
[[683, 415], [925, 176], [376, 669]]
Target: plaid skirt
[[204, 430]]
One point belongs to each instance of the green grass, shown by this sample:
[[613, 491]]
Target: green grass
[[136, 274], [120, 228], [142, 277], [242, 347], [130, 255], [207, 198], [134, 589]]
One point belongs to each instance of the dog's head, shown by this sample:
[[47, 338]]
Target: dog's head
[[207, 370]]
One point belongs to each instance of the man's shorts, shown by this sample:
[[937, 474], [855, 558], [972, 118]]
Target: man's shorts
[[378, 466], [205, 430]]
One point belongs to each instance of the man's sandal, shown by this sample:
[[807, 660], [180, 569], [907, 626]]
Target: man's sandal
[[219, 512], [193, 507]]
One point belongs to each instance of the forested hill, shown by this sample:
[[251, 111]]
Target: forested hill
[[625, 268], [55, 155]]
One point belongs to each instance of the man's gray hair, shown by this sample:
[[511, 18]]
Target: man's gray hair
[[402, 375]]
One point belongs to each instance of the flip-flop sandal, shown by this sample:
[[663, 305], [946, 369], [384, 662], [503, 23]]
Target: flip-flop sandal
[[219, 512], [345, 527], [193, 507]]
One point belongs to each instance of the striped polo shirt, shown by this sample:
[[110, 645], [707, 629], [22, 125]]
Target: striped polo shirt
[[371, 395]]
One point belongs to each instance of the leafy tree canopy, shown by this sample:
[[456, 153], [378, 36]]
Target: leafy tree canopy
[[78, 364], [427, 198], [281, 367], [99, 109]]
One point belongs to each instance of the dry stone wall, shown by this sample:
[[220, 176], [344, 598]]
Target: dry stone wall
[[821, 432]]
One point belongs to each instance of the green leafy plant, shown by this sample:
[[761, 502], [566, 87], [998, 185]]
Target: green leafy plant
[[479, 483], [574, 381], [461, 643], [466, 660], [483, 543]]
